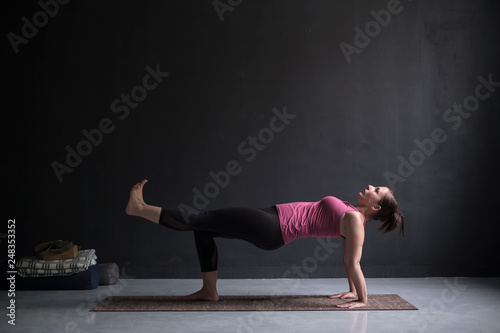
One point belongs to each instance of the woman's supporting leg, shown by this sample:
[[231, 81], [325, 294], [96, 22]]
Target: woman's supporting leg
[[257, 226], [208, 257], [137, 207], [207, 251]]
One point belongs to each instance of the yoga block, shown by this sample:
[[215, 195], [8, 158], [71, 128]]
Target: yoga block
[[70, 254], [109, 273]]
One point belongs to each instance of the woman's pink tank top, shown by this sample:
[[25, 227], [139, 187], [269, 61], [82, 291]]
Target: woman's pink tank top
[[312, 219]]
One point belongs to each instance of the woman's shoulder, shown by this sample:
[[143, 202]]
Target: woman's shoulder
[[354, 216], [352, 224]]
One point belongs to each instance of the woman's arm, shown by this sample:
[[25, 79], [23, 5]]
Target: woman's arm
[[355, 236], [352, 289]]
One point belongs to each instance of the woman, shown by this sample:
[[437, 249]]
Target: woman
[[272, 227]]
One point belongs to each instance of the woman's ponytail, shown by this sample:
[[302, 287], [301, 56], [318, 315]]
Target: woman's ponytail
[[389, 215]]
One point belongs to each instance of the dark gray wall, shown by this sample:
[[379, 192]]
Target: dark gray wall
[[359, 103]]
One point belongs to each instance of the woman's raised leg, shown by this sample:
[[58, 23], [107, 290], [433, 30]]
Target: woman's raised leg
[[137, 207], [259, 227]]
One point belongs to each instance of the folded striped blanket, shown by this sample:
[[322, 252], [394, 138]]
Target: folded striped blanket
[[33, 267]]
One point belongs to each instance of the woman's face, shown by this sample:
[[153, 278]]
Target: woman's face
[[372, 195]]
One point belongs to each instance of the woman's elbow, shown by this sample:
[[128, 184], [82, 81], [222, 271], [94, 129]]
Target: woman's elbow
[[352, 263]]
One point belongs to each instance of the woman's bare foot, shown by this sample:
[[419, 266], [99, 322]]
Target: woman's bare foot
[[137, 207], [208, 291], [136, 202], [202, 295]]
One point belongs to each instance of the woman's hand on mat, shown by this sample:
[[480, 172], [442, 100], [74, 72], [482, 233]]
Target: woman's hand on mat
[[352, 305], [348, 294]]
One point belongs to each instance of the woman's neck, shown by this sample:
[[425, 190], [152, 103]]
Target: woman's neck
[[364, 210]]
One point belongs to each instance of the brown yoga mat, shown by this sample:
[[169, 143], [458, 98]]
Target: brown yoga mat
[[247, 303]]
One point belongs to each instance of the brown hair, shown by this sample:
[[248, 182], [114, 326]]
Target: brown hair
[[389, 214]]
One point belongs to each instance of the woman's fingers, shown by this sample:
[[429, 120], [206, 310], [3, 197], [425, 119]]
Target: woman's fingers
[[343, 295], [352, 305]]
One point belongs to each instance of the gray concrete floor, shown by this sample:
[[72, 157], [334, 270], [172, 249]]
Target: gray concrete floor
[[445, 305]]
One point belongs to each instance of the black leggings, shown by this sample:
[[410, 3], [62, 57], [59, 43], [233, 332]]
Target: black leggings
[[261, 227]]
